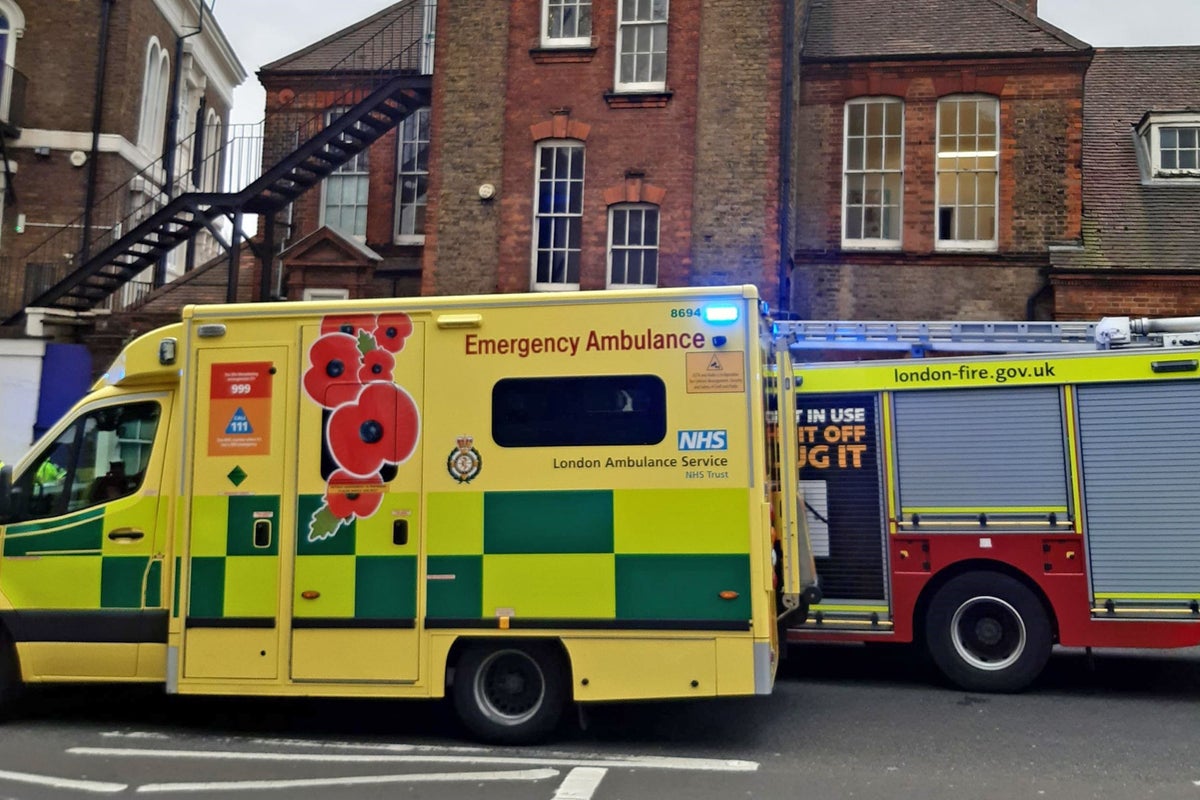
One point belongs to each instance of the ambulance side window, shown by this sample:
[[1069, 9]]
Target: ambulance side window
[[594, 410], [100, 457]]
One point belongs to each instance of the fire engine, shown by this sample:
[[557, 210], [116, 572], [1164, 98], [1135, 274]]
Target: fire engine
[[1025, 484]]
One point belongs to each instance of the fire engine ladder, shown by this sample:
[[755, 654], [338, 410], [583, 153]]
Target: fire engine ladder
[[919, 338]]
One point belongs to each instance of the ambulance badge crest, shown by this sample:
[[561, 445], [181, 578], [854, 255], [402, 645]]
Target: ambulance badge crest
[[464, 462]]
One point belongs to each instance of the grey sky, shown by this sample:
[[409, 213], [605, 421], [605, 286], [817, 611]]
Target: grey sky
[[264, 30]]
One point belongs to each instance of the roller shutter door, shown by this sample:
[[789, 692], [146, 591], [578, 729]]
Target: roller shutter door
[[985, 450], [1140, 448]]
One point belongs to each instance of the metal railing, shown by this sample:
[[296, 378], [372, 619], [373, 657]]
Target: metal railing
[[401, 44]]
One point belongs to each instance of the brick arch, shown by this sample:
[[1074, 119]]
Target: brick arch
[[560, 126], [634, 189]]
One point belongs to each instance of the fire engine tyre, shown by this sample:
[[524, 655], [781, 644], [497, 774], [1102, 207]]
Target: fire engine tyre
[[510, 693], [988, 632]]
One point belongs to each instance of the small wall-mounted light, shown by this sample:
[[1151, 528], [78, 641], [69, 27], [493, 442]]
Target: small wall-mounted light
[[41, 151], [486, 191]]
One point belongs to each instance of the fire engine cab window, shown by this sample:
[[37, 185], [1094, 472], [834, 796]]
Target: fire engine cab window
[[605, 410], [101, 457]]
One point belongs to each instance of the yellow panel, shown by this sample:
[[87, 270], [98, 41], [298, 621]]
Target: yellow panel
[[333, 578], [638, 669], [90, 661], [208, 539], [152, 662], [354, 655], [52, 581], [564, 586], [455, 523], [373, 535], [135, 511], [251, 586], [681, 521], [230, 653], [735, 666]]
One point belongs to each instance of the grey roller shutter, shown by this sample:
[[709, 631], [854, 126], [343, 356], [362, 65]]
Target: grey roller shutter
[[986, 450], [1140, 448]]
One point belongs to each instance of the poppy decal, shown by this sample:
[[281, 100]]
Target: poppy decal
[[377, 366], [373, 424]]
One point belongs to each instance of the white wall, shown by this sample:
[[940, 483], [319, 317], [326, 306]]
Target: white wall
[[20, 381]]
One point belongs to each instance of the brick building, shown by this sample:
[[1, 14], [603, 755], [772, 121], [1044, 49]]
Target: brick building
[[88, 92], [1141, 188], [937, 159], [578, 145]]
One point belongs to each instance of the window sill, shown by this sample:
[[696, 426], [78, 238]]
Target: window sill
[[409, 240], [562, 55], [869, 246], [638, 99], [966, 247]]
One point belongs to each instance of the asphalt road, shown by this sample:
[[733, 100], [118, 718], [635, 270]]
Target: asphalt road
[[844, 722]]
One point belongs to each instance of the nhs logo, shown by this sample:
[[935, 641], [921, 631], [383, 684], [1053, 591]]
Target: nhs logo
[[703, 440]]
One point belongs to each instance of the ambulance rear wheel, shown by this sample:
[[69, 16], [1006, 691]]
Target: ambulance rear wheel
[[510, 693], [988, 632]]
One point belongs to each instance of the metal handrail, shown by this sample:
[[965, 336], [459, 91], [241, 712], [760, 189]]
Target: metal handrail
[[399, 46]]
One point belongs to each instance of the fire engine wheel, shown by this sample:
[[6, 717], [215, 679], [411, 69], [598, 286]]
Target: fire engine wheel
[[988, 633], [509, 693]]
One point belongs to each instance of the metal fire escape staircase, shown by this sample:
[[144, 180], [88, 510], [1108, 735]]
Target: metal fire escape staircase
[[397, 84]]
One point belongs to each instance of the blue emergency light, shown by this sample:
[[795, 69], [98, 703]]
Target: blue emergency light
[[721, 314]]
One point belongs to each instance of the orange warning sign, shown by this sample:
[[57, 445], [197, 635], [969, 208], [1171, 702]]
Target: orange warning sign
[[709, 373], [239, 410]]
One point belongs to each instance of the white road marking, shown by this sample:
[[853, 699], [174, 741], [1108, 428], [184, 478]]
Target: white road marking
[[623, 762], [356, 780], [580, 784], [98, 787]]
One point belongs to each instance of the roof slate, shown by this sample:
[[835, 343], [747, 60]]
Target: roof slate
[[369, 44], [1128, 224], [867, 29]]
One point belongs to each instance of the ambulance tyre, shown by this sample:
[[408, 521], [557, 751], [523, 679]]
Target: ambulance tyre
[[988, 632], [510, 692]]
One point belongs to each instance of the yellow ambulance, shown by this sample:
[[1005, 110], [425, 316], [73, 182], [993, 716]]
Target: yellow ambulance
[[520, 501]]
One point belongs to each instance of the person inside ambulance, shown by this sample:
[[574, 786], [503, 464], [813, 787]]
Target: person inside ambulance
[[87, 463]]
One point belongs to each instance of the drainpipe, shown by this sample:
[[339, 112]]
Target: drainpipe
[[97, 113], [170, 148], [785, 152]]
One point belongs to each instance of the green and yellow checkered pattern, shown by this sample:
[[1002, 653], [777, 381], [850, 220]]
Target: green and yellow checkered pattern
[[623, 555]]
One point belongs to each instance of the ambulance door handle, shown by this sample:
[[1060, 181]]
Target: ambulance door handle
[[125, 534], [400, 532]]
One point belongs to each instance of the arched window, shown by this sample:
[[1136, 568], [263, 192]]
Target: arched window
[[558, 215], [873, 173], [155, 84], [214, 142]]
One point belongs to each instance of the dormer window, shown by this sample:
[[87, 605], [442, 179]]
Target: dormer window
[[1179, 149], [1169, 145]]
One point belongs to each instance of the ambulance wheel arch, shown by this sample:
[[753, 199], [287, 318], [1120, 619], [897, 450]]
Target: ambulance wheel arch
[[987, 631], [509, 691]]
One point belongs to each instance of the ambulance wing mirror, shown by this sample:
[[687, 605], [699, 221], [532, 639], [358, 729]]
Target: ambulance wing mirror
[[5, 493]]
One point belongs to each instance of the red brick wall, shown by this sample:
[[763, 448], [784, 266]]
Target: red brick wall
[[1091, 296], [1040, 189]]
